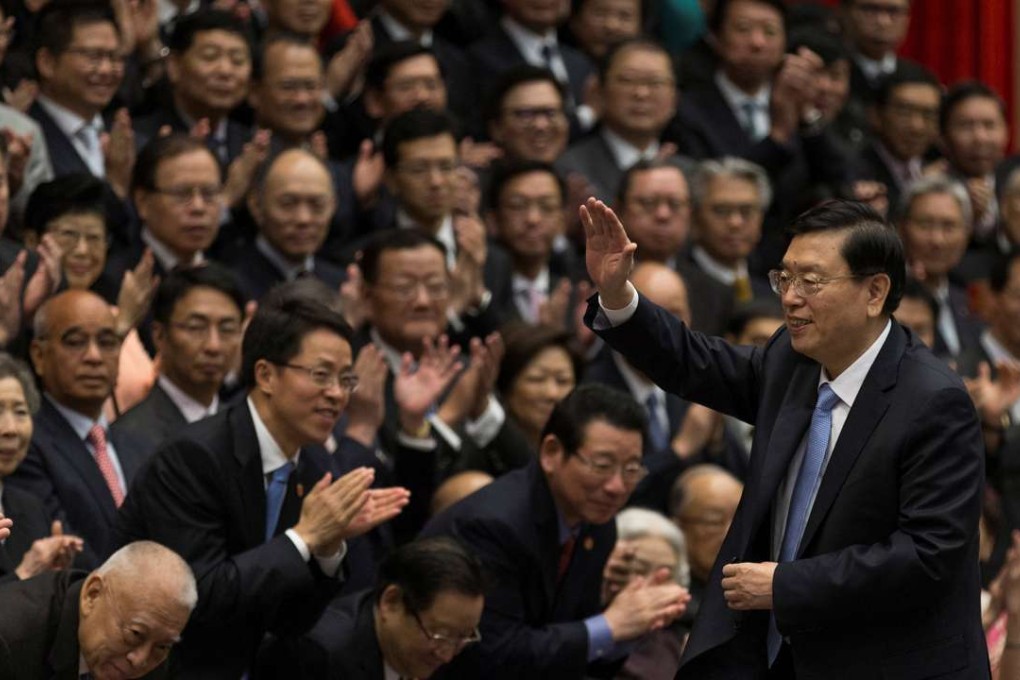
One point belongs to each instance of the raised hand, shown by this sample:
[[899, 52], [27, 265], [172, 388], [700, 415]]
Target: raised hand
[[10, 306], [118, 147], [382, 506], [470, 396], [352, 298], [22, 96], [53, 553], [346, 66], [644, 605], [367, 406], [367, 176], [417, 390], [609, 253], [136, 292], [47, 275], [330, 507], [241, 172]]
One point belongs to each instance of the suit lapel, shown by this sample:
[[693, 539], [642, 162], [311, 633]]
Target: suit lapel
[[249, 480], [65, 441], [791, 423], [869, 407]]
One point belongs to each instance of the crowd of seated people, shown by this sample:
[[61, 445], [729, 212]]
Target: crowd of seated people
[[296, 290]]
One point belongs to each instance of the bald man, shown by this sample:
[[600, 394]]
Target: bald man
[[458, 487], [74, 465], [702, 503], [120, 621], [292, 203]]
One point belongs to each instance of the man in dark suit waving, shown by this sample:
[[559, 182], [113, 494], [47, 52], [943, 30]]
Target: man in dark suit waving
[[853, 552]]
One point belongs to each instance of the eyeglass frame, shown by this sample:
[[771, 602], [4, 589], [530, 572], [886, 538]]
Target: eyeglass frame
[[798, 282], [95, 56], [440, 640], [335, 379], [608, 472], [89, 339]]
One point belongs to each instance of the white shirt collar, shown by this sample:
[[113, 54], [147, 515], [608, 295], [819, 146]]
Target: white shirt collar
[[639, 386], [289, 270], [272, 455], [625, 153], [390, 353], [848, 383], [874, 69], [69, 122], [168, 10], [398, 31], [540, 283], [716, 269], [192, 409], [166, 257], [528, 42], [79, 422], [444, 234], [736, 97]]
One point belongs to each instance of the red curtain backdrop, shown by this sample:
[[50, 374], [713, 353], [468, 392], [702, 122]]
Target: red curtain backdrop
[[964, 39]]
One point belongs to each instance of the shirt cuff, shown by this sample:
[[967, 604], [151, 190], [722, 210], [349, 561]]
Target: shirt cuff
[[600, 638], [485, 428], [615, 317], [417, 443], [446, 432], [330, 564]]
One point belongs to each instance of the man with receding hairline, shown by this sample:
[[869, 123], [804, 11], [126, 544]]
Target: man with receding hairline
[[116, 623], [75, 465]]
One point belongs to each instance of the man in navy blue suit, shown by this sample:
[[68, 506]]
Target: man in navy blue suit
[[544, 532], [853, 552]]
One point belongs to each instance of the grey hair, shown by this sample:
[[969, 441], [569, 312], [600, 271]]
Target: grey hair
[[639, 523], [148, 559], [730, 166], [15, 368], [936, 184]]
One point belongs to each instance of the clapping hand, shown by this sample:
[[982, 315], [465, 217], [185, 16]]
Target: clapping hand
[[415, 390]]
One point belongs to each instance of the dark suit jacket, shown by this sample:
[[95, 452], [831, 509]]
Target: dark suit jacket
[[886, 582], [342, 644], [152, 421], [801, 171], [871, 165], [256, 274], [30, 524], [61, 472], [39, 628], [592, 157], [530, 628], [203, 495], [496, 53], [968, 326], [711, 301], [147, 128]]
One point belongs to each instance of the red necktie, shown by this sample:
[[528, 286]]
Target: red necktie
[[97, 437], [566, 552]]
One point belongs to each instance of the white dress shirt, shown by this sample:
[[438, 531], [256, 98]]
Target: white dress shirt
[[74, 127], [286, 267], [641, 388], [526, 289], [626, 154], [192, 409], [738, 101], [445, 234], [272, 458], [166, 257], [716, 269], [533, 46], [398, 31]]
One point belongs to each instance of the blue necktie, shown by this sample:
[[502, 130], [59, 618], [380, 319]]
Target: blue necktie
[[804, 492], [275, 492], [657, 435]]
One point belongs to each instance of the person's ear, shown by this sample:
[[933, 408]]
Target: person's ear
[[550, 453], [878, 290], [45, 63], [265, 376], [91, 591], [391, 602]]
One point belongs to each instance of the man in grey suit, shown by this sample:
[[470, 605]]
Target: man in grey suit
[[197, 316], [637, 95]]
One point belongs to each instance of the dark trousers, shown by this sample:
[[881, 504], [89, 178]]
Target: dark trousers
[[782, 669]]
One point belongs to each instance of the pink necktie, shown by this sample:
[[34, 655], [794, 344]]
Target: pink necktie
[[97, 437]]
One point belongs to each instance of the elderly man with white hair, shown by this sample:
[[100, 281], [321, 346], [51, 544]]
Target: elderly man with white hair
[[114, 623]]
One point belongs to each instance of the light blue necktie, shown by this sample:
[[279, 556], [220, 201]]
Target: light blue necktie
[[804, 492], [275, 492], [656, 433]]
